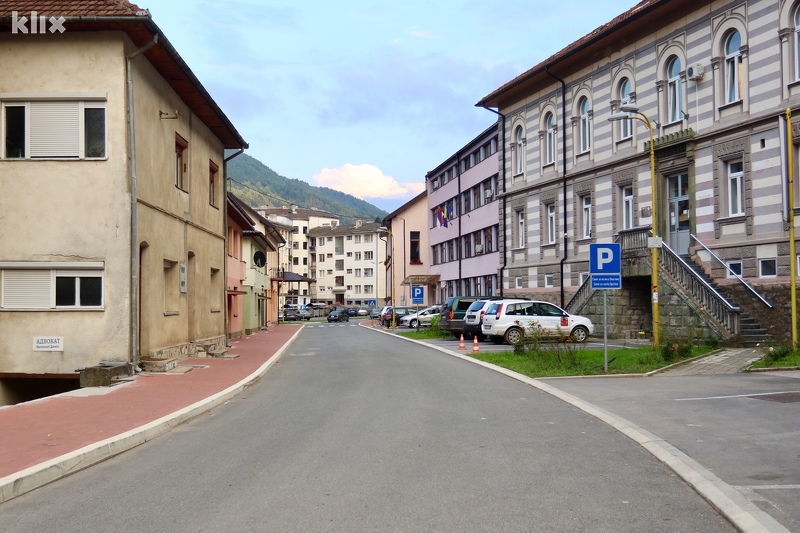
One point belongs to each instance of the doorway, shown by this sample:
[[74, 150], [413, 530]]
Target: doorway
[[680, 223]]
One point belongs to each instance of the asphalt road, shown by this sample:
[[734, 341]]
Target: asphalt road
[[354, 430]]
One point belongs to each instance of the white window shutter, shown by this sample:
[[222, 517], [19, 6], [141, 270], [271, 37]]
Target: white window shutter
[[55, 129], [26, 289]]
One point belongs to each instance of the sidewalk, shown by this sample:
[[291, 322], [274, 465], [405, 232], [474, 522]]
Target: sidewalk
[[47, 439]]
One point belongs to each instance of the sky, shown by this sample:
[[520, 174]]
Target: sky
[[366, 96]]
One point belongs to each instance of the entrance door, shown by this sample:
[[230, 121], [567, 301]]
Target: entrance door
[[679, 216]]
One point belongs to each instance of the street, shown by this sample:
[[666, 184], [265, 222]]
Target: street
[[354, 430]]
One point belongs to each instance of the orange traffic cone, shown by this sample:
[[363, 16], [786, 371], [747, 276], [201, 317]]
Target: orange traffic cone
[[475, 347], [461, 343]]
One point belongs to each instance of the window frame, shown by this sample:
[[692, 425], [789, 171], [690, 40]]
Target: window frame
[[584, 125], [674, 90], [181, 167], [735, 183], [552, 223], [627, 205], [586, 215], [38, 283], [519, 156], [762, 261], [625, 98], [733, 69], [550, 139], [521, 240], [213, 170]]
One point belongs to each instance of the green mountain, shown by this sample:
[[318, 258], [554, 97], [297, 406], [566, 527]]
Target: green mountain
[[257, 184]]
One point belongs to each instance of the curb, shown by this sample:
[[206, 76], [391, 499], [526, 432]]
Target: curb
[[39, 475], [740, 512]]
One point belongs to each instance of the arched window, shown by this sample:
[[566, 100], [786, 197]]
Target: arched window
[[674, 90], [550, 139], [797, 43], [585, 125], [519, 161], [733, 68], [625, 98]]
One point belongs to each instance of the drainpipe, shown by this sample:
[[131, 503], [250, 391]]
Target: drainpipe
[[503, 214], [225, 241], [564, 171], [134, 338], [460, 214]]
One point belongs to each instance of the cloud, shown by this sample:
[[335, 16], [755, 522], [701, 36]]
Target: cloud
[[364, 181]]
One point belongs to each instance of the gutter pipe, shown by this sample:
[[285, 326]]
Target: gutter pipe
[[505, 200], [134, 251], [564, 170], [225, 239]]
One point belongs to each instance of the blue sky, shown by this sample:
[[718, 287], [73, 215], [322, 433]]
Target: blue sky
[[366, 96]]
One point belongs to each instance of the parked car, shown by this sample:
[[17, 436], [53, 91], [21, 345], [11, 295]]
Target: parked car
[[377, 312], [290, 315], [303, 314], [473, 319], [399, 312], [454, 310], [352, 311], [510, 319], [424, 317], [363, 311], [338, 316]]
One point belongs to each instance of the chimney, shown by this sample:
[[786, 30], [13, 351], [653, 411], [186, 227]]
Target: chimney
[[359, 223]]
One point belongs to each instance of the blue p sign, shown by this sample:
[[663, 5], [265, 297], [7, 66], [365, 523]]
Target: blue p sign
[[605, 258], [417, 294]]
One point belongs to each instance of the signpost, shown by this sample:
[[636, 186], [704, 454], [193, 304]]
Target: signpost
[[417, 298], [605, 268]]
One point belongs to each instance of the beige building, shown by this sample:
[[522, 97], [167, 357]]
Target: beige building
[[125, 169]]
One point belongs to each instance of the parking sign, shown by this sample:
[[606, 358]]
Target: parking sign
[[605, 266], [417, 294]]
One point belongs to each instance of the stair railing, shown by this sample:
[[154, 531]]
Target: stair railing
[[699, 289], [737, 276]]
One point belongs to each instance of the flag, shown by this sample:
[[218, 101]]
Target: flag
[[439, 215], [445, 216]]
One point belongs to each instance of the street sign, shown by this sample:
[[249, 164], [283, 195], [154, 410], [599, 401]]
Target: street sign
[[370, 303], [605, 266], [417, 294]]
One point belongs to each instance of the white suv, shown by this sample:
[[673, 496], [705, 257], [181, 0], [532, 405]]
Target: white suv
[[509, 320]]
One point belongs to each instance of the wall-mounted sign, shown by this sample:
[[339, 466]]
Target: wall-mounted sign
[[48, 344], [259, 259]]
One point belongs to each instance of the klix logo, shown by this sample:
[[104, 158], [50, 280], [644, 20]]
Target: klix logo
[[38, 23]]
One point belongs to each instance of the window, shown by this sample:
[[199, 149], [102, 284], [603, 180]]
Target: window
[[627, 207], [358, 256], [550, 139], [488, 241], [295, 246], [368, 289], [171, 287], [213, 169], [674, 90], [358, 272], [358, 239], [305, 245], [735, 188], [735, 267], [551, 223], [414, 248], [767, 268], [305, 261], [584, 277], [52, 289], [70, 129], [181, 145], [349, 254], [548, 280], [586, 216], [518, 282], [585, 125], [520, 229], [368, 256], [733, 68], [368, 272], [295, 261], [625, 98], [519, 156], [349, 270], [349, 237], [367, 239], [797, 43], [321, 258], [339, 264]]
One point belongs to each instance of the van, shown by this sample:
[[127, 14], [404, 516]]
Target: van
[[509, 320], [453, 311]]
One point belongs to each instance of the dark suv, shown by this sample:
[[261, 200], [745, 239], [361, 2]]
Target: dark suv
[[453, 311]]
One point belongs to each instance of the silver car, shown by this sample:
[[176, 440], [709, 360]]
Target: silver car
[[424, 317]]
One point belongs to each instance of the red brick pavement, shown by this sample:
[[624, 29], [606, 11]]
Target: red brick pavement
[[39, 433]]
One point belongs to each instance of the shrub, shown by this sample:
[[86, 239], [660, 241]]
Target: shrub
[[776, 352], [675, 349]]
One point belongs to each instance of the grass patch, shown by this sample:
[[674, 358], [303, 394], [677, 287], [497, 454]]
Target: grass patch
[[777, 356], [560, 359], [426, 333]]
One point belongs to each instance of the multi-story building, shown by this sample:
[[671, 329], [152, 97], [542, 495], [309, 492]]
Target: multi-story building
[[463, 219], [126, 256], [710, 81], [408, 251], [296, 287], [347, 263]]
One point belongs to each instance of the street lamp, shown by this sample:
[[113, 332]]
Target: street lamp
[[632, 112], [384, 229]]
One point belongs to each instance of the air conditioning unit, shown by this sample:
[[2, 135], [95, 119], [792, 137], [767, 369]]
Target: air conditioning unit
[[478, 248], [435, 185], [489, 194], [695, 72]]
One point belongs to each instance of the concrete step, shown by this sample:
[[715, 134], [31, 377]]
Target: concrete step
[[218, 352], [150, 364]]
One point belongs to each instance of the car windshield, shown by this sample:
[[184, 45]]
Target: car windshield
[[492, 309], [476, 306]]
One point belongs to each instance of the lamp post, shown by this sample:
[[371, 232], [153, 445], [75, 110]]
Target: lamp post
[[384, 229], [632, 112]]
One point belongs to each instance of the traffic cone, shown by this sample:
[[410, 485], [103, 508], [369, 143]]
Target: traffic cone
[[475, 347], [461, 343]]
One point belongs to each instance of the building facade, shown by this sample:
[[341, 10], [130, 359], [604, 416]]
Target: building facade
[[710, 81], [127, 260], [463, 220]]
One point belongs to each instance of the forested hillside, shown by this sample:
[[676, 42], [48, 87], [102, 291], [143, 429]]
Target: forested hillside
[[257, 184]]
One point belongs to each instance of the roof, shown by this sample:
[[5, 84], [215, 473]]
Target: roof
[[408, 204], [135, 22], [252, 214], [297, 213], [294, 277], [347, 229], [604, 40], [421, 279]]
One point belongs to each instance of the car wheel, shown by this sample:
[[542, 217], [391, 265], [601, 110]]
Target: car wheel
[[412, 324], [579, 334], [513, 336]]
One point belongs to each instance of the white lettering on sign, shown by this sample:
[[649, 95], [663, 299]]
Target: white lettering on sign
[[604, 255], [48, 344]]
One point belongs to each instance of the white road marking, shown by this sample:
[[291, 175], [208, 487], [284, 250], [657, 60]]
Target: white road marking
[[737, 396]]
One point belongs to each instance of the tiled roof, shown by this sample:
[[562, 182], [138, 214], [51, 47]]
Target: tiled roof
[[298, 213], [72, 8], [324, 231], [584, 44]]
